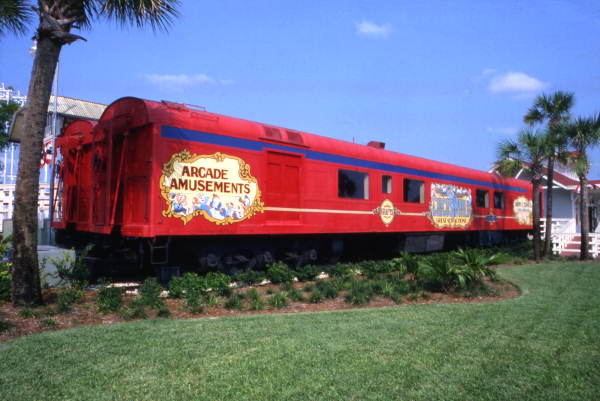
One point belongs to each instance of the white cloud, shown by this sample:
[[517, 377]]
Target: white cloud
[[179, 82], [373, 30], [517, 83], [501, 130]]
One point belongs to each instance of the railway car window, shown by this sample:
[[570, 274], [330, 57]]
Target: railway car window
[[353, 184], [498, 200], [414, 191], [386, 184], [482, 198]]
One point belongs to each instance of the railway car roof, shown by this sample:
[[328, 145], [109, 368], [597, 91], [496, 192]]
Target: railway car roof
[[181, 121]]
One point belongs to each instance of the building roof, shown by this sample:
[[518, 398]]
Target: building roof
[[69, 106], [65, 106], [560, 179]]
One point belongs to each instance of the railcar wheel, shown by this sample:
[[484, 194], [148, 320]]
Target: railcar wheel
[[210, 262], [309, 256], [264, 258]]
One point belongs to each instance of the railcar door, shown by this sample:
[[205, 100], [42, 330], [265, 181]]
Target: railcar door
[[282, 192]]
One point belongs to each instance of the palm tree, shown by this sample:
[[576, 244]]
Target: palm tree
[[528, 151], [583, 133], [57, 18], [552, 109]]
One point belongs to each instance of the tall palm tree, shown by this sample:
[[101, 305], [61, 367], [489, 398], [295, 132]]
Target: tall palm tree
[[57, 20], [528, 151], [583, 133], [551, 109]]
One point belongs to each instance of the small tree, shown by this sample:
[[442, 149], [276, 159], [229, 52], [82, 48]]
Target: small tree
[[528, 152], [583, 133]]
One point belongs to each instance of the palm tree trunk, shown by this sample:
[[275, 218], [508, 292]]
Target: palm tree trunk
[[549, 196], [26, 289], [536, 219], [585, 220]]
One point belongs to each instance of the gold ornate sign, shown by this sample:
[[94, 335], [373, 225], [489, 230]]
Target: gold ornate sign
[[450, 206], [387, 211], [218, 187], [523, 209]]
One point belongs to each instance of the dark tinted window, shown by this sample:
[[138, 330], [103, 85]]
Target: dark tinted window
[[499, 200], [414, 191], [482, 198], [353, 184], [386, 184]]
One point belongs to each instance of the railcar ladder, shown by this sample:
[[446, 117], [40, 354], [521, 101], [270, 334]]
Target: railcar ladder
[[159, 250]]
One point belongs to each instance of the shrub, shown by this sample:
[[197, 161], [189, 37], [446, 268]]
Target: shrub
[[384, 288], [341, 270], [27, 313], [360, 292], [211, 300], [295, 295], [413, 297], [278, 300], [477, 261], [234, 302], [257, 304], [5, 277], [189, 286], [308, 288], [250, 277], [327, 289], [194, 302], [71, 268], [150, 293], [134, 310], [409, 261], [5, 325], [341, 283], [307, 272], [108, 298], [397, 298], [218, 282], [315, 297], [440, 271], [48, 322], [67, 297], [176, 287], [280, 273], [163, 311]]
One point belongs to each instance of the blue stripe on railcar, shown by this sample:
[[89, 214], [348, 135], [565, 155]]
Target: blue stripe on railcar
[[249, 144]]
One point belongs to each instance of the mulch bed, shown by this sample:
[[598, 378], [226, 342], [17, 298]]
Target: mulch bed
[[86, 313]]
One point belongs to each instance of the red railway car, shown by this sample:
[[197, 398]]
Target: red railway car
[[163, 183]]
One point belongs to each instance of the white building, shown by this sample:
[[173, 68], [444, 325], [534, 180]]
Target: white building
[[61, 111], [566, 224]]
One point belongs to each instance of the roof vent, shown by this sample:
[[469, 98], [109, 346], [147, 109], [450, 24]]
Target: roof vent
[[376, 144], [272, 133], [294, 137]]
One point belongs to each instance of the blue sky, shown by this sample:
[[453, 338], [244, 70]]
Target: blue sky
[[445, 80]]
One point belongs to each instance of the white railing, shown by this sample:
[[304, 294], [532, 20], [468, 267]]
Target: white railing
[[561, 241], [560, 226]]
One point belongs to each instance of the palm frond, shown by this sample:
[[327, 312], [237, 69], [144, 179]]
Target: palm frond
[[14, 16], [159, 14], [584, 132], [552, 108]]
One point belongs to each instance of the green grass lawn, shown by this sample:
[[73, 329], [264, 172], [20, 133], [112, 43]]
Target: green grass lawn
[[544, 345]]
